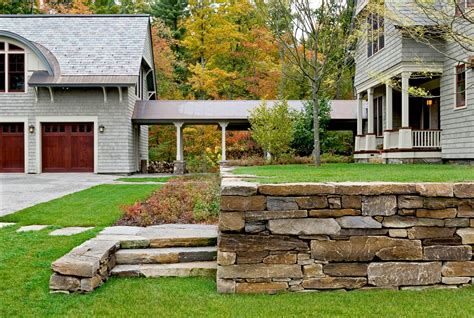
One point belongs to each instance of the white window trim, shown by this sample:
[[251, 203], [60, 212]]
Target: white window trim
[[64, 119], [456, 90], [24, 120], [6, 52]]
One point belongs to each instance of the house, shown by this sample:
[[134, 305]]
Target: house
[[402, 126], [68, 88]]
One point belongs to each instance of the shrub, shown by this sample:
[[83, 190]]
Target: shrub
[[187, 199]]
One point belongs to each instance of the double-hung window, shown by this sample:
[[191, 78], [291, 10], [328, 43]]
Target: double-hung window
[[460, 86], [12, 68], [375, 34], [462, 6]]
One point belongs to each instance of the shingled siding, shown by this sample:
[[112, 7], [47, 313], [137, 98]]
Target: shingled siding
[[298, 237], [457, 124]]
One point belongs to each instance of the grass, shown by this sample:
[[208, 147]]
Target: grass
[[360, 172], [96, 206], [146, 179]]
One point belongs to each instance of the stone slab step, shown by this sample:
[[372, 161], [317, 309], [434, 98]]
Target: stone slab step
[[166, 255], [193, 269]]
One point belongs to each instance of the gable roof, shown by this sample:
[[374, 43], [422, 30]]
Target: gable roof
[[88, 46]]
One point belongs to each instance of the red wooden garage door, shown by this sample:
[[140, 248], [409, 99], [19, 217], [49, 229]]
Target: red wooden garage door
[[68, 147], [12, 147]]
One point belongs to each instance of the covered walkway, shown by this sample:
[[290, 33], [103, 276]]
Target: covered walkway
[[228, 114]]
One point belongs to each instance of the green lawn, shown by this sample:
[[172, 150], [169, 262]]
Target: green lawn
[[96, 206], [359, 172], [25, 260], [146, 179]]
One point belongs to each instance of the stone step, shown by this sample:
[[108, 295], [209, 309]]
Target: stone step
[[193, 269], [166, 255]]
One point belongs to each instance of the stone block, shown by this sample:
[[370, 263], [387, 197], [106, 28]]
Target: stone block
[[467, 235], [403, 274], [472, 223], [397, 233], [437, 214], [226, 258], [347, 233], [406, 211], [437, 203], [327, 213], [447, 253], [225, 286], [334, 202], [255, 227], [455, 280], [466, 209], [281, 204], [455, 240], [358, 222], [430, 222], [61, 282], [435, 189], [238, 188], [231, 221], [281, 258], [451, 269], [304, 226], [351, 202], [76, 265], [345, 269], [250, 288], [313, 270], [273, 215], [89, 284], [312, 202], [251, 257], [255, 243], [366, 248], [410, 202], [385, 205], [458, 222], [296, 189], [464, 190], [375, 188], [335, 283], [429, 232], [259, 271], [399, 221], [238, 203]]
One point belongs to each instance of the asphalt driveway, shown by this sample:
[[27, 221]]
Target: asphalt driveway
[[19, 191]]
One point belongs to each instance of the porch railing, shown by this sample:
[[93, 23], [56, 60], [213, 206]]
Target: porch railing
[[426, 138]]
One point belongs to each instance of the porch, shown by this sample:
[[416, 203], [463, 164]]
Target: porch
[[400, 127]]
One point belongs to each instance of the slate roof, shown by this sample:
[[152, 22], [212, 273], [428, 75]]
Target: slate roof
[[90, 46], [211, 111]]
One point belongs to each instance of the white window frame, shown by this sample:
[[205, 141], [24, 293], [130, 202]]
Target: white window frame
[[6, 51], [456, 87], [370, 34]]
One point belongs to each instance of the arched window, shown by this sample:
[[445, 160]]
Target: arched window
[[12, 68]]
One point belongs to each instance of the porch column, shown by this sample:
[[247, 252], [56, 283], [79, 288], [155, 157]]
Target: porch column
[[370, 139], [404, 134], [179, 164], [223, 129], [388, 116], [358, 146]]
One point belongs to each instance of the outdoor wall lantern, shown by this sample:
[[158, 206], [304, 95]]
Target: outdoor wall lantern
[[429, 102], [31, 129], [101, 128]]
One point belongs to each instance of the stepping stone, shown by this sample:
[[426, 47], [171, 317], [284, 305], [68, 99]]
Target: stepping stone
[[68, 231], [30, 228], [121, 230], [166, 255], [5, 224], [206, 269]]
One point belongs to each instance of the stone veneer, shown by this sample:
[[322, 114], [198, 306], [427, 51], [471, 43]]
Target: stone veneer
[[327, 236]]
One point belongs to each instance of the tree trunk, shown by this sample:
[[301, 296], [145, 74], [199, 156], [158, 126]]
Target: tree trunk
[[317, 144]]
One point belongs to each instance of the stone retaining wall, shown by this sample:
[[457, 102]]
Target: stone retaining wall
[[295, 237]]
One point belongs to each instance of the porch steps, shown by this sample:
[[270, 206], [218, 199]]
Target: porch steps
[[166, 255]]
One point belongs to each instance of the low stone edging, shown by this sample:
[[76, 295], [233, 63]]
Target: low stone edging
[[320, 236]]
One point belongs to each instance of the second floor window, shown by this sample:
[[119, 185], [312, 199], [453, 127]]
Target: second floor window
[[375, 34], [461, 6], [12, 68], [461, 85]]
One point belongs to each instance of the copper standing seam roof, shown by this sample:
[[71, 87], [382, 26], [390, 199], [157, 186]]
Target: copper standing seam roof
[[212, 111]]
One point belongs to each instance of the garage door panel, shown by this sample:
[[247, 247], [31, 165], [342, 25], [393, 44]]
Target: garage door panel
[[12, 147], [68, 147]]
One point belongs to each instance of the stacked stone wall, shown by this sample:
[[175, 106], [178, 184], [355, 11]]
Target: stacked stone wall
[[296, 237]]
